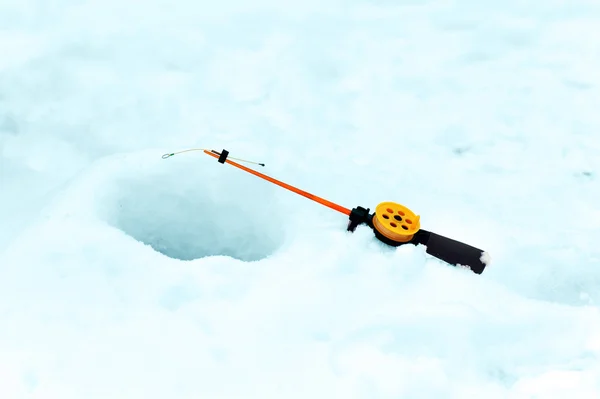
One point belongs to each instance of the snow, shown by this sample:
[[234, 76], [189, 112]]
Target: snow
[[125, 275]]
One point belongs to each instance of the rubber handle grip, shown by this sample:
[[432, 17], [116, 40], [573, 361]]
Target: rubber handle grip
[[457, 253]]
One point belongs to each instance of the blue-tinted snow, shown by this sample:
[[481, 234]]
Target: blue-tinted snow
[[124, 275]]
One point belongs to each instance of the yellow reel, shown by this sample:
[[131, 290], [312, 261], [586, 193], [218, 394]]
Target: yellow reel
[[396, 222]]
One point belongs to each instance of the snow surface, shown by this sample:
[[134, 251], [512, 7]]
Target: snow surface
[[123, 275]]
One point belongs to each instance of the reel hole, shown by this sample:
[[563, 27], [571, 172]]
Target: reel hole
[[390, 210], [393, 224], [404, 227], [400, 213], [385, 216], [408, 221], [398, 218]]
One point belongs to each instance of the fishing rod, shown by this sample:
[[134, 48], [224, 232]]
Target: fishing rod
[[392, 223]]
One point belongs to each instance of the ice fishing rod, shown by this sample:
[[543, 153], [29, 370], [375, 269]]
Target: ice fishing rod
[[392, 223]]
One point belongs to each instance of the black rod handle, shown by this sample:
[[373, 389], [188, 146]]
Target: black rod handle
[[457, 253]]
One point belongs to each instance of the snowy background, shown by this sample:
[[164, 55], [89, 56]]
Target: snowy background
[[123, 275]]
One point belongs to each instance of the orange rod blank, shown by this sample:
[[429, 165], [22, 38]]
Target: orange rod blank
[[308, 195]]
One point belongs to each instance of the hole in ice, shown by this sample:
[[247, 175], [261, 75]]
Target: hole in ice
[[190, 213]]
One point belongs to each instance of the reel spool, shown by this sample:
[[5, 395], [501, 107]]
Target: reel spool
[[395, 222]]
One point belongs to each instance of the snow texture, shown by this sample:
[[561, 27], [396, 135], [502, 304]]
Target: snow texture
[[125, 275]]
